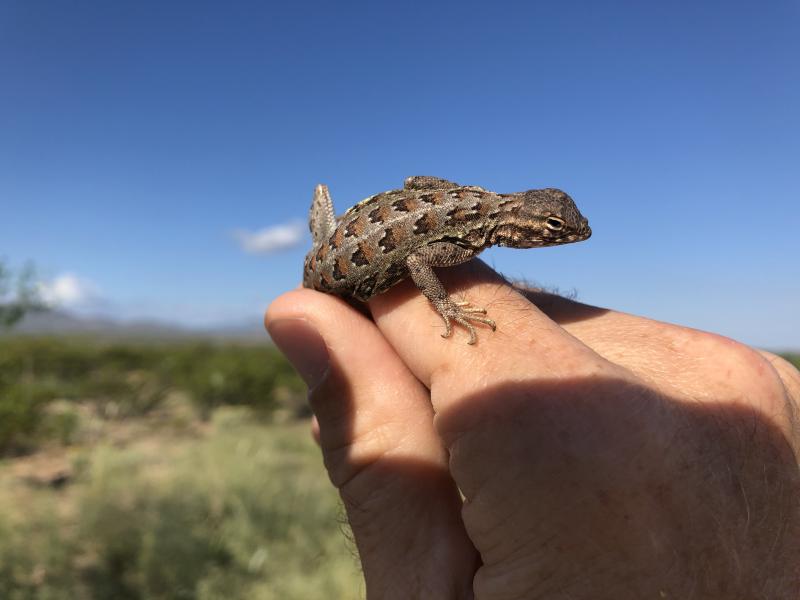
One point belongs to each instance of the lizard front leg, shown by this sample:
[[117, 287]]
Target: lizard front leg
[[445, 254]]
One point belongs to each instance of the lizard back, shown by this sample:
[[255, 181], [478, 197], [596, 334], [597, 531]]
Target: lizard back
[[366, 253]]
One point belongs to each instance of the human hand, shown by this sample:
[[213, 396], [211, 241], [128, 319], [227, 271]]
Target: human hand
[[600, 455]]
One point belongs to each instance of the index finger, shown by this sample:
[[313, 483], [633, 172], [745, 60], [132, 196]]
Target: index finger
[[526, 343]]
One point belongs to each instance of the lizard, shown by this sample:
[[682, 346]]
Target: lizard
[[430, 222]]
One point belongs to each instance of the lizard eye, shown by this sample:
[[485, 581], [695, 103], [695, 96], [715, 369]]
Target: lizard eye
[[554, 223]]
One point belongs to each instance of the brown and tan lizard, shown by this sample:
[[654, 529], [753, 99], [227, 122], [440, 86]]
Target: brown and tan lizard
[[431, 222]]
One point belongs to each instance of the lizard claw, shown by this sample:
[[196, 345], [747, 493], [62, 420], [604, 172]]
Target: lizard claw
[[462, 313]]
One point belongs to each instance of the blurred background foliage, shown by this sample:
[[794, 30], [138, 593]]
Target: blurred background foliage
[[162, 470], [150, 469], [129, 379]]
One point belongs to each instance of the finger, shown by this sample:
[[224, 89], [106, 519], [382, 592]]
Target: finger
[[789, 375], [380, 448], [526, 343], [360, 386], [315, 429], [676, 359]]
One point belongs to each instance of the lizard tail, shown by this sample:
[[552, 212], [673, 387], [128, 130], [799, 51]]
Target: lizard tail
[[321, 219]]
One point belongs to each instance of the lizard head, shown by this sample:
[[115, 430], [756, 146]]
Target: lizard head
[[537, 218]]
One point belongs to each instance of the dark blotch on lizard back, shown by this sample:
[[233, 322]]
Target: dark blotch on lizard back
[[458, 194], [409, 204], [427, 198], [359, 257], [326, 278], [390, 240], [486, 210], [336, 239], [425, 224], [340, 268], [356, 227], [380, 214], [434, 198], [462, 215]]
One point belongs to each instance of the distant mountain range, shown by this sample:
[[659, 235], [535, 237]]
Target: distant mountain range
[[64, 323]]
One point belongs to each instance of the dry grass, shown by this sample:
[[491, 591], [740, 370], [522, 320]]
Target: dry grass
[[235, 509]]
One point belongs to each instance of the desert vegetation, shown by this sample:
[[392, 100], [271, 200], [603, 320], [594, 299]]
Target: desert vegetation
[[162, 470]]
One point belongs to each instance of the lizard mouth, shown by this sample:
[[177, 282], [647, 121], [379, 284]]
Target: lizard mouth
[[584, 233], [576, 236], [520, 237]]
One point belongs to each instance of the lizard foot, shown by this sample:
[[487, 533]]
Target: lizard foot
[[462, 313]]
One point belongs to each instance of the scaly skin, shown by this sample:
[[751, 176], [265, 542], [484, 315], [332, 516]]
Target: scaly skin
[[429, 223]]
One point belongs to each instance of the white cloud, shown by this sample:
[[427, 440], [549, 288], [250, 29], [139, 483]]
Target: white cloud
[[69, 291], [271, 239]]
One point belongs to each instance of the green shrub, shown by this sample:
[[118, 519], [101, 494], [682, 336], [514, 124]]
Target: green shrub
[[150, 540], [245, 514], [60, 422], [21, 409], [123, 380], [36, 557], [117, 393], [233, 375]]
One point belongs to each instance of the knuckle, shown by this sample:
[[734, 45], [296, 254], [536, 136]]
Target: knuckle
[[788, 374], [747, 374]]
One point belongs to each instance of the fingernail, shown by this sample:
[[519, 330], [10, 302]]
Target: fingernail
[[303, 346]]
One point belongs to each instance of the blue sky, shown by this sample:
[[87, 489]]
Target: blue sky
[[143, 144]]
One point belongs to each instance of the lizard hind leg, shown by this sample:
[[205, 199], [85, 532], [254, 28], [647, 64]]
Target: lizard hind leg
[[321, 220]]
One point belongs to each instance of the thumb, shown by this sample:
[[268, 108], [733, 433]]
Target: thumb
[[380, 448]]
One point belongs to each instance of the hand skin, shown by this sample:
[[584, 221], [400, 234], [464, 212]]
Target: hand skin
[[599, 454]]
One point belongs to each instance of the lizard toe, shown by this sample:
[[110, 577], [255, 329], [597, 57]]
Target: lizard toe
[[473, 336], [465, 307], [464, 315]]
